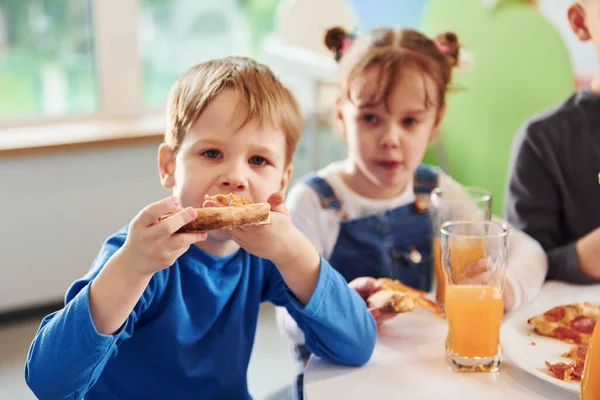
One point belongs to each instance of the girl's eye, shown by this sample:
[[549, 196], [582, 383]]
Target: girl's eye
[[212, 153], [257, 160], [370, 119], [409, 121]]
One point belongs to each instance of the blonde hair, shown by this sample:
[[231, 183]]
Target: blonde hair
[[391, 52], [256, 87]]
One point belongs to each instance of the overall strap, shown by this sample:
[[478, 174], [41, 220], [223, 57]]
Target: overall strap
[[426, 179], [324, 191]]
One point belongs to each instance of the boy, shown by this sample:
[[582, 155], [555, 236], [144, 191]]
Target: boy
[[553, 192], [181, 308]]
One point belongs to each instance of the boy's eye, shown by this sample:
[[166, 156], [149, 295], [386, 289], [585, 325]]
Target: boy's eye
[[257, 160], [370, 118], [212, 153]]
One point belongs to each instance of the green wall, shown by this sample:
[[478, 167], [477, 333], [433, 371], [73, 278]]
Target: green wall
[[521, 67]]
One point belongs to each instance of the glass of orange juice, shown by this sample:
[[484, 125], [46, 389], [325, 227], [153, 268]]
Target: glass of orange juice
[[471, 203], [590, 384], [474, 259]]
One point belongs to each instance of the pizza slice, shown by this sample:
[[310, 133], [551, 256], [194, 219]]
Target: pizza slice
[[235, 211], [228, 200], [398, 298], [572, 323]]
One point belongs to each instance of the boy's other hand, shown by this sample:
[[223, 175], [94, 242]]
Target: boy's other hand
[[153, 245], [271, 241]]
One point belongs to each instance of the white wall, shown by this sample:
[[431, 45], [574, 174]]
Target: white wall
[[57, 208]]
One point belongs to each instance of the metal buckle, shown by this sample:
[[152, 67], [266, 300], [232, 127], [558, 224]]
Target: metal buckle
[[325, 201]]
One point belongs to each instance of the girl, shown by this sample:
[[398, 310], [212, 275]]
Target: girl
[[368, 214]]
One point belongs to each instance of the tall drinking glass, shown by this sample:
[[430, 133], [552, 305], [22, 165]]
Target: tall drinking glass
[[474, 259], [472, 203]]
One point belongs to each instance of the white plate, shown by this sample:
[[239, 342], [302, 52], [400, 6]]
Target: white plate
[[528, 350]]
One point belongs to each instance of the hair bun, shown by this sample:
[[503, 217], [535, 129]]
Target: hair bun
[[450, 41], [334, 38]]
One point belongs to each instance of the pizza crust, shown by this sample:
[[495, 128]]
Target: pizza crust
[[234, 212]]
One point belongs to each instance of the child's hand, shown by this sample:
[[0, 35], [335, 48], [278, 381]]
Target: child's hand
[[154, 245], [480, 272], [272, 241], [285, 246], [365, 286]]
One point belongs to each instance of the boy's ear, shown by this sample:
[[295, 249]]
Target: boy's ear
[[287, 176], [577, 19], [166, 166]]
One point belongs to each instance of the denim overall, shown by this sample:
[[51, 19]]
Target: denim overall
[[395, 244]]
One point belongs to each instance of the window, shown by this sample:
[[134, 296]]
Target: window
[[47, 66], [176, 34]]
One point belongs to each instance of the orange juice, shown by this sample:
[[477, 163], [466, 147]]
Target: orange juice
[[462, 254], [590, 385], [439, 272], [474, 315]]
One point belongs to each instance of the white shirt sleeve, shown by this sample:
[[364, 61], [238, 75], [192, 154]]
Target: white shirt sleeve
[[527, 262], [305, 210], [527, 269]]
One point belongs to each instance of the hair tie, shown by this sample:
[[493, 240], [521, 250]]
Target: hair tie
[[347, 41], [443, 48]]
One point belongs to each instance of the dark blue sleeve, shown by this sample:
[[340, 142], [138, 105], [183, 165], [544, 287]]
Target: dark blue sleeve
[[336, 323], [68, 354]]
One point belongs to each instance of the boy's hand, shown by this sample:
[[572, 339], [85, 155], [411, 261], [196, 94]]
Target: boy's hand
[[280, 242], [154, 245], [273, 241], [365, 286]]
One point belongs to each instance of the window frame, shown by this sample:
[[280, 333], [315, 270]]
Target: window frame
[[118, 58], [121, 115]]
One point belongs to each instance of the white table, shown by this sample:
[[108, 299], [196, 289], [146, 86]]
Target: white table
[[409, 363]]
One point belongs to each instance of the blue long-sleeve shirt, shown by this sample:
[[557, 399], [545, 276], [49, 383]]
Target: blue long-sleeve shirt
[[191, 333]]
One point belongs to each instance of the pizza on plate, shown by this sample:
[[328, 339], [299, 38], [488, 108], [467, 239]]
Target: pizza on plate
[[234, 211], [398, 298], [572, 323]]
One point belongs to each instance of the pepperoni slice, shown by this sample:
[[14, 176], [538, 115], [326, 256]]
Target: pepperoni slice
[[577, 372], [581, 352], [561, 370], [583, 324], [555, 314], [565, 333]]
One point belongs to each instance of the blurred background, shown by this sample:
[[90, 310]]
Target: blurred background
[[83, 85]]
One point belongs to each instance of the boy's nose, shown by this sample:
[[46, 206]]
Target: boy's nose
[[234, 180]]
